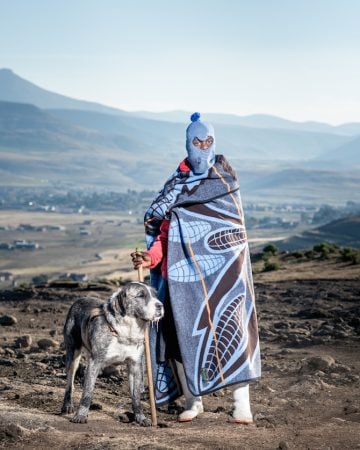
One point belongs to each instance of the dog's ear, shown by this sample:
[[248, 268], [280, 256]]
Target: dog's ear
[[121, 298]]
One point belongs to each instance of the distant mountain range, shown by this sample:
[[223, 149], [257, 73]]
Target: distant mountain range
[[259, 121], [13, 88], [238, 142], [50, 137]]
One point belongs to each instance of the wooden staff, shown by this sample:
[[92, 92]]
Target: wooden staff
[[148, 360]]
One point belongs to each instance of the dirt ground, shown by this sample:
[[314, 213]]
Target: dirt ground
[[307, 398]]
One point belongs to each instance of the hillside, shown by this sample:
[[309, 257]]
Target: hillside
[[37, 147], [59, 139], [13, 88], [27, 126], [349, 227], [24, 126], [343, 232], [347, 154], [307, 183]]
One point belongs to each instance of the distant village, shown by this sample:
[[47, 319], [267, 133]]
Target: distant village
[[81, 201], [70, 201], [24, 244], [258, 216]]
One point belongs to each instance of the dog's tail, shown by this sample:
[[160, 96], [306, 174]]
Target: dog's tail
[[72, 330]]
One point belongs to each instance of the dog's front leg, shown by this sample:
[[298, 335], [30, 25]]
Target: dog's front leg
[[91, 374], [135, 384], [72, 363]]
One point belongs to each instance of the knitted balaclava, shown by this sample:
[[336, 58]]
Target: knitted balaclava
[[200, 160]]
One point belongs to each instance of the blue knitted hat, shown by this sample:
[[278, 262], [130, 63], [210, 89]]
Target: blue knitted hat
[[200, 160]]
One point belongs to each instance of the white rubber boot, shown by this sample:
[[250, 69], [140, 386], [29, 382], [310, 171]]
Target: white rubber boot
[[242, 411], [193, 405]]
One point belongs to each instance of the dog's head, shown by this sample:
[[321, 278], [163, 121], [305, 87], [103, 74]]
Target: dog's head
[[138, 300]]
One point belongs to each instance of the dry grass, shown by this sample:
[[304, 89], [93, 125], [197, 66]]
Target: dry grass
[[104, 252]]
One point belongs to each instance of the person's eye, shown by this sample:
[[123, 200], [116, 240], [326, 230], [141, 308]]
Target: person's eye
[[210, 140]]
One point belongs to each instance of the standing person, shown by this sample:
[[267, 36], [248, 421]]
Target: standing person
[[200, 263]]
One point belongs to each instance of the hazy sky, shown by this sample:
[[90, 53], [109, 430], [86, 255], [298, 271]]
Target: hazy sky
[[298, 59]]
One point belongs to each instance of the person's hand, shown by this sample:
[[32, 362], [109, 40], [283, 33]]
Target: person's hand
[[141, 259]]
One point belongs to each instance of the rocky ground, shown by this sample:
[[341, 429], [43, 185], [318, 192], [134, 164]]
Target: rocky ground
[[308, 397]]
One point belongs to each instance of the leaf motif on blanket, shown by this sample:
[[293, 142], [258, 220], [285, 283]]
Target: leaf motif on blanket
[[165, 379], [226, 238], [229, 333], [191, 231], [186, 270]]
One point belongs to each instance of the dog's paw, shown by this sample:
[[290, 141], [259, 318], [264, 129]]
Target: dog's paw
[[174, 408], [124, 417], [78, 419], [142, 420], [67, 409]]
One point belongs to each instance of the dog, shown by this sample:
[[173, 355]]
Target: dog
[[109, 334]]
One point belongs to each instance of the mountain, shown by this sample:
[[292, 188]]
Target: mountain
[[159, 138], [350, 128], [91, 148], [37, 147], [156, 135], [24, 126], [86, 144], [238, 142], [347, 154], [18, 90], [263, 121], [304, 184], [13, 88], [343, 232]]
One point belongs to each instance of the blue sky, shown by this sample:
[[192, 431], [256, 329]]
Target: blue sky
[[295, 59]]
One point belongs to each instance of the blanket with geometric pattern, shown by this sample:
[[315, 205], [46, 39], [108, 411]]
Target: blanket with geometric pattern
[[210, 283]]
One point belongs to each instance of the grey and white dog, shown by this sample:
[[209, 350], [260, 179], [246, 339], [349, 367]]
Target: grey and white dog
[[109, 334]]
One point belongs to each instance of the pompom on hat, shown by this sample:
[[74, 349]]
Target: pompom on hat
[[195, 116], [200, 160]]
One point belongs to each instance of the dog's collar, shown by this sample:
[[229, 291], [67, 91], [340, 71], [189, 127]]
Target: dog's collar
[[97, 312]]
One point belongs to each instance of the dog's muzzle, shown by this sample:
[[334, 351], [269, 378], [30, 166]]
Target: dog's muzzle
[[159, 311]]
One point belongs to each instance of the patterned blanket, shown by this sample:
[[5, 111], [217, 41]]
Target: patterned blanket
[[210, 283]]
